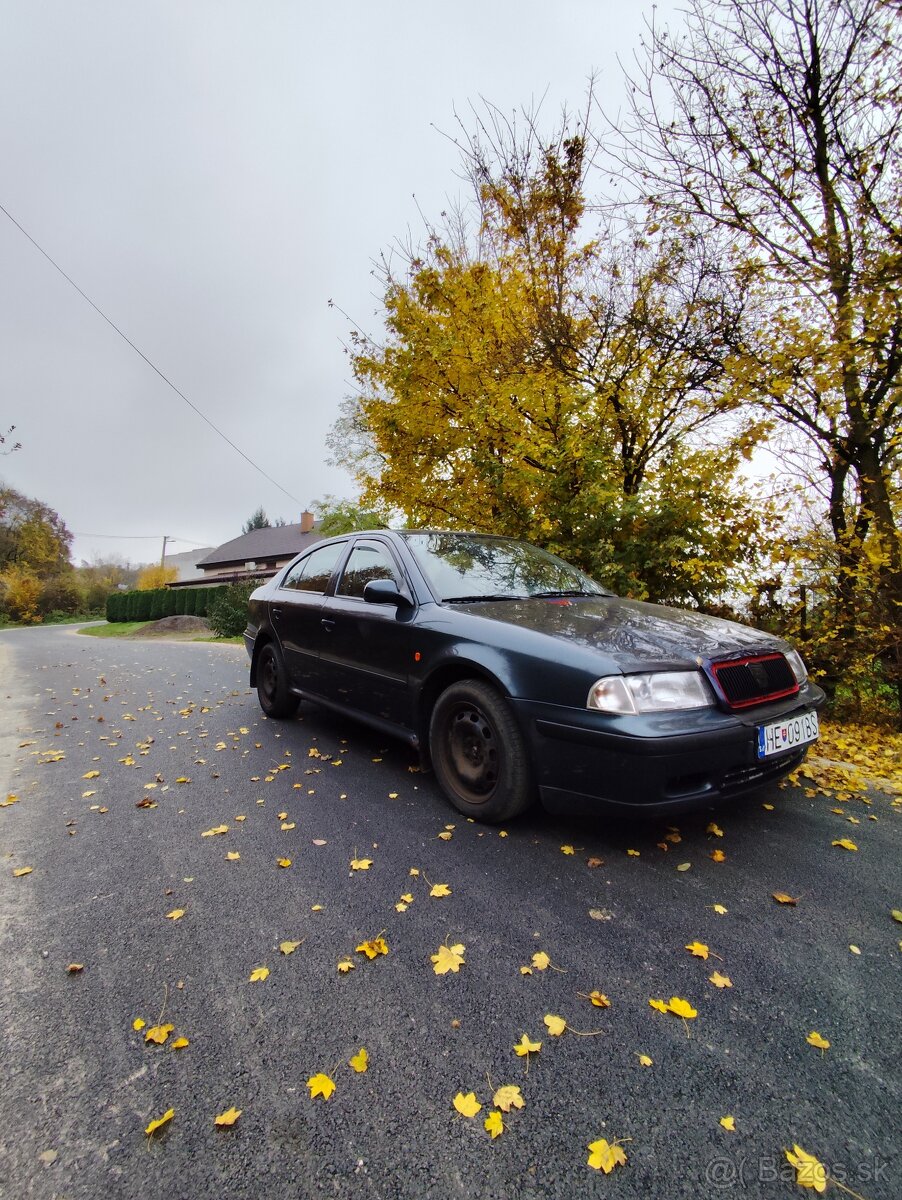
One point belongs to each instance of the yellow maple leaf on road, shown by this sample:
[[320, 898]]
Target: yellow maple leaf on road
[[494, 1124], [525, 1047], [555, 1025], [715, 829], [158, 1033], [20, 871], [216, 830], [175, 915], [229, 1117], [605, 1157], [159, 1122], [438, 889], [448, 958], [508, 1097], [373, 948], [541, 961], [660, 1005], [682, 1008], [320, 1085], [258, 974], [720, 981], [288, 947], [728, 1123], [361, 864], [698, 949], [809, 1172], [815, 1039], [467, 1105], [360, 1061], [845, 844]]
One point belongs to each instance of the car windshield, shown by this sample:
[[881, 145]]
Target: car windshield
[[466, 566]]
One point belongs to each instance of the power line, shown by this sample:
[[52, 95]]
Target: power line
[[152, 366], [138, 537]]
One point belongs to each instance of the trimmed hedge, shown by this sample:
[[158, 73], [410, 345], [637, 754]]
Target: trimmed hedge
[[156, 603]]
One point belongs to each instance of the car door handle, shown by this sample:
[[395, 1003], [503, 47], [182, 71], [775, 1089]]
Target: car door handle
[[276, 613], [327, 624]]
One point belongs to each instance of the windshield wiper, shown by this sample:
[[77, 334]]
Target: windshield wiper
[[563, 592], [473, 599]]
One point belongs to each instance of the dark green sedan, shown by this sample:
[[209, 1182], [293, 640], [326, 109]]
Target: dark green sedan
[[517, 677]]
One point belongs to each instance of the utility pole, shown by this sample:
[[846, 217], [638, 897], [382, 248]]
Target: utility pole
[[163, 555]]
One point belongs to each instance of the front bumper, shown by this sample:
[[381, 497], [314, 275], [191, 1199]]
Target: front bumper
[[658, 763]]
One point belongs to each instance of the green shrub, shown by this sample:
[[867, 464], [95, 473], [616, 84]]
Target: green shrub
[[190, 601], [180, 595], [228, 608]]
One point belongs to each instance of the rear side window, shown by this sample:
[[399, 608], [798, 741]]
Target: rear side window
[[312, 574], [367, 561]]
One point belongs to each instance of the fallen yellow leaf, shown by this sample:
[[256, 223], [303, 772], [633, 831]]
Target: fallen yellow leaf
[[645, 1061], [815, 1039], [175, 915], [660, 1005], [605, 1157], [259, 974], [438, 889], [783, 898], [18, 872], [728, 1123], [846, 845], [373, 947], [448, 958], [360, 1061], [138, 1024], [283, 862], [91, 775], [541, 961], [508, 1097], [288, 947], [718, 856], [698, 949], [567, 850], [180, 1043], [720, 981], [720, 910], [232, 855], [555, 1025], [633, 853], [809, 1172], [715, 829], [158, 1033], [346, 965], [682, 1008], [525, 1047], [467, 1105], [361, 864], [159, 1122], [320, 1085], [75, 968], [493, 1124]]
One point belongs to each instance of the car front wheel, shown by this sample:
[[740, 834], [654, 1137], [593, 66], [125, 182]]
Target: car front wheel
[[478, 753], [276, 698]]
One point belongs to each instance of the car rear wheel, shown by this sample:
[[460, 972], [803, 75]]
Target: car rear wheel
[[276, 699], [478, 753]]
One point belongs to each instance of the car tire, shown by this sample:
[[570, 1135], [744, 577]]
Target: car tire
[[276, 698], [478, 753]]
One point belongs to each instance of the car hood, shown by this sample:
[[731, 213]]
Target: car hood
[[638, 636]]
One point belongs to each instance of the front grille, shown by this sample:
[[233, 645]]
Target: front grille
[[754, 680]]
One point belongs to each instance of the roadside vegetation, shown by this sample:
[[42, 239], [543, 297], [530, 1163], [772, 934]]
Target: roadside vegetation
[[669, 345]]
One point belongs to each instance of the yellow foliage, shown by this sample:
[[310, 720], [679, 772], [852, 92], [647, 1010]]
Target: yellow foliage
[[154, 577]]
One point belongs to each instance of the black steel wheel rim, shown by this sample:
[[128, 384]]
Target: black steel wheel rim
[[473, 752], [269, 679]]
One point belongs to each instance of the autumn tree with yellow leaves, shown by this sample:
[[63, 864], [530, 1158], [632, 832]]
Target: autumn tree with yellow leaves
[[779, 125], [568, 389]]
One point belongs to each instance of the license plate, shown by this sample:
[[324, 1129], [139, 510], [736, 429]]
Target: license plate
[[779, 736]]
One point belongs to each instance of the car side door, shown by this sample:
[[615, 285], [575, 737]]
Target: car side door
[[295, 612], [367, 649]]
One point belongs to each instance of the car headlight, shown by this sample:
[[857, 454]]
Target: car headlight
[[798, 667], [660, 691]]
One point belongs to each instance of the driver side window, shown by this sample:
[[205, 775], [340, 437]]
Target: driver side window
[[367, 561]]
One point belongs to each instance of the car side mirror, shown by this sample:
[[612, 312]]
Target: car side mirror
[[384, 591]]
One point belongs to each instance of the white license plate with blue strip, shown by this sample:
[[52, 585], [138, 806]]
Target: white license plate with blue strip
[[780, 736]]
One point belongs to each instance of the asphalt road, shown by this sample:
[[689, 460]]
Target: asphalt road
[[80, 1084]]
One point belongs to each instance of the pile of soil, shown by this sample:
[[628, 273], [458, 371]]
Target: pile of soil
[[170, 626]]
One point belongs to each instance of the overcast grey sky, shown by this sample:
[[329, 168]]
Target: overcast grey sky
[[211, 173]]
